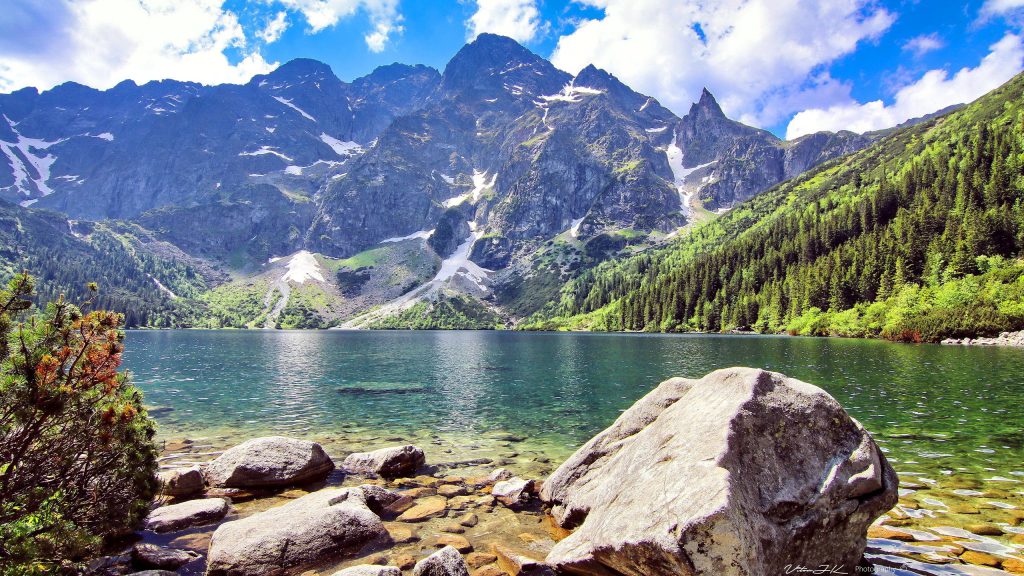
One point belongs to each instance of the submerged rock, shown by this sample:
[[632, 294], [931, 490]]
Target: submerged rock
[[388, 462], [182, 482], [445, 562], [269, 462], [288, 539], [153, 556], [742, 472], [425, 509], [186, 514]]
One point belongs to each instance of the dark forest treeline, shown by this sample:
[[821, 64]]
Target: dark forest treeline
[[65, 257], [914, 238]]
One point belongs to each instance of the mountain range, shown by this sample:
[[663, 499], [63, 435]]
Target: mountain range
[[300, 200]]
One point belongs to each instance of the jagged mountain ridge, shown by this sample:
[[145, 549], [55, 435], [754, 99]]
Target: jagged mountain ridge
[[501, 150]]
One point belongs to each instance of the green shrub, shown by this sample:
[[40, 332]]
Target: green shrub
[[77, 459]]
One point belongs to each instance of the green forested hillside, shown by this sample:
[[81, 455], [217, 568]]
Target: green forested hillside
[[914, 238], [149, 281]]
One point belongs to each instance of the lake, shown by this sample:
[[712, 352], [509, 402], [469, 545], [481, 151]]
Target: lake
[[950, 419]]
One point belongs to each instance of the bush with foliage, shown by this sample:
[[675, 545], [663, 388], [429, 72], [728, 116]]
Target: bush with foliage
[[77, 458]]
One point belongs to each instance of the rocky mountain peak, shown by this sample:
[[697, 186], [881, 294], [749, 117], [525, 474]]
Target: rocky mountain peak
[[594, 76], [492, 64], [707, 106], [299, 69], [394, 72]]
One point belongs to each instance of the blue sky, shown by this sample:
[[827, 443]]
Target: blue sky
[[790, 66]]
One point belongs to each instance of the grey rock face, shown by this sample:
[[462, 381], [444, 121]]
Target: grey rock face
[[269, 462], [388, 462], [186, 514], [445, 562], [502, 142], [288, 539], [153, 556], [745, 472], [182, 482]]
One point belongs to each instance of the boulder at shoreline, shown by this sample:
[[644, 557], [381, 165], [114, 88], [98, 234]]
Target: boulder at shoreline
[[742, 472], [187, 514], [387, 462], [330, 523], [269, 462], [182, 482]]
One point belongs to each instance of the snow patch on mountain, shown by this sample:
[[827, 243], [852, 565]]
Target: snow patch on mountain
[[289, 104], [30, 170], [679, 175], [480, 184], [574, 227], [421, 234], [303, 266], [266, 150], [572, 93], [340, 147]]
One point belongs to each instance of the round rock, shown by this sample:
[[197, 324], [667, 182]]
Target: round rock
[[269, 462], [186, 514], [387, 462]]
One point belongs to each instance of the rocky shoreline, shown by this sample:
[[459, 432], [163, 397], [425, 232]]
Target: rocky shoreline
[[764, 471], [1015, 339]]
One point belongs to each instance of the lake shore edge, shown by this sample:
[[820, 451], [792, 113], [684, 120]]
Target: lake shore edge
[[470, 498]]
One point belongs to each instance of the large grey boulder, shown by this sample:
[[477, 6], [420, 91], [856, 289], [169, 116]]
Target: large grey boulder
[[182, 482], [742, 472], [288, 539], [186, 514], [269, 462], [388, 462], [445, 562]]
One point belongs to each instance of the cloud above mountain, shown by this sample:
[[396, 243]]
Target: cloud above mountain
[[935, 90], [518, 19], [763, 59], [101, 42]]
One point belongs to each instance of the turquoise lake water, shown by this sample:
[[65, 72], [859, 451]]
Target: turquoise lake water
[[934, 407], [951, 419]]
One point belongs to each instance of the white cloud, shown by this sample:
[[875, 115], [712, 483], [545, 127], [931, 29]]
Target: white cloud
[[933, 91], [101, 42], [517, 19], [923, 44], [274, 28], [763, 59], [995, 7], [321, 14]]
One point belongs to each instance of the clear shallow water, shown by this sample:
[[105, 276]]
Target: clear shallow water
[[955, 407], [951, 419]]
